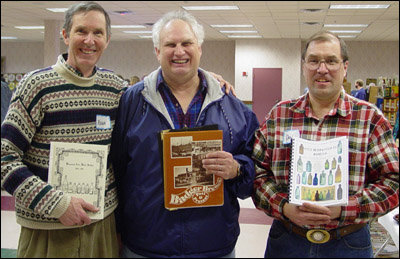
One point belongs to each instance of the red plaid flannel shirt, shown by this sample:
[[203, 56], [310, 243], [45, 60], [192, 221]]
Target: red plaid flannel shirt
[[373, 156]]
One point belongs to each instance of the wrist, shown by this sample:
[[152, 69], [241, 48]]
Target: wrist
[[238, 170]]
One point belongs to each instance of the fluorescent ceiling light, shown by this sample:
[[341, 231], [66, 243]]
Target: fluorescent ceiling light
[[346, 31], [57, 10], [8, 38], [347, 36], [238, 31], [30, 27], [210, 8], [231, 25], [136, 32], [128, 26], [244, 36], [145, 36], [358, 6], [345, 25]]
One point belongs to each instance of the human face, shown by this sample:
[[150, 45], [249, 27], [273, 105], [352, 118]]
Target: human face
[[324, 84], [86, 41], [179, 53]]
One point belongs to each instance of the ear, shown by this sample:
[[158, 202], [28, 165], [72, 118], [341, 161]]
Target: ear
[[345, 66], [157, 51], [65, 37], [108, 41], [200, 50]]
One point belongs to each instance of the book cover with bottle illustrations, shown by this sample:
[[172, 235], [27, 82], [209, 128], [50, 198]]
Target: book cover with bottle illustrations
[[80, 170], [319, 171], [186, 184]]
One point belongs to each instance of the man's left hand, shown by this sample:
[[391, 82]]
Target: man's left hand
[[221, 163]]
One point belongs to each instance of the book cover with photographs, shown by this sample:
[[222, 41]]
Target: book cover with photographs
[[319, 171], [186, 184]]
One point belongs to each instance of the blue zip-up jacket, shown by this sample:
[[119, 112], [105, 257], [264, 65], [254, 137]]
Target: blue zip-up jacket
[[146, 226]]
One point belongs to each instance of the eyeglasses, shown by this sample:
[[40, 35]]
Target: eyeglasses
[[331, 64]]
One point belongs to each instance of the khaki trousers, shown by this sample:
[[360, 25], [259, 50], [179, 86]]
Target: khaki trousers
[[95, 240]]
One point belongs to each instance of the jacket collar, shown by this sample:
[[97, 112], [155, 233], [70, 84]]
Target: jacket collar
[[152, 95]]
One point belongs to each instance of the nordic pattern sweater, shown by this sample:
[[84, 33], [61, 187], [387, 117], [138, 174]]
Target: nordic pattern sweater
[[54, 104]]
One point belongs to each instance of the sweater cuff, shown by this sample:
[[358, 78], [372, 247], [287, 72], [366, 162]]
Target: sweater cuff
[[61, 207]]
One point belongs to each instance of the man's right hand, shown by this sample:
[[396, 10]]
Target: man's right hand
[[75, 214]]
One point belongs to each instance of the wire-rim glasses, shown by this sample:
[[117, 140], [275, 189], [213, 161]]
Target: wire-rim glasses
[[331, 64]]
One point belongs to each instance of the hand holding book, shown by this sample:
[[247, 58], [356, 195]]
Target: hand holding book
[[221, 163], [311, 214]]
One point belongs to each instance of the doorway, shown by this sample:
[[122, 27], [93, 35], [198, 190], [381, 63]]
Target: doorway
[[267, 90]]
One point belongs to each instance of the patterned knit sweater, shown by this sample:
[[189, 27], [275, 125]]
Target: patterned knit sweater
[[54, 104]]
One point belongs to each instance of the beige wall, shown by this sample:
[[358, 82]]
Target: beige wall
[[367, 59], [283, 54], [126, 58]]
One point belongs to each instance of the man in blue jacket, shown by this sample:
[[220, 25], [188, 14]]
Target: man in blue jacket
[[178, 95]]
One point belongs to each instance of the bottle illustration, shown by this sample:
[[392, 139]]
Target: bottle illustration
[[297, 193], [299, 165], [340, 159], [65, 184], [322, 178], [330, 178], [322, 195], [308, 196], [339, 192], [338, 175], [304, 178], [328, 195], [317, 198], [301, 149], [308, 166], [315, 180], [326, 164], [309, 179], [334, 163], [70, 190], [339, 148], [298, 179], [91, 189], [313, 196]]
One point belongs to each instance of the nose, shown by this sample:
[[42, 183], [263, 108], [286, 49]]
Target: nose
[[322, 69], [89, 39], [179, 49]]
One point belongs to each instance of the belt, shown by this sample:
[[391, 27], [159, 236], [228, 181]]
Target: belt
[[320, 236]]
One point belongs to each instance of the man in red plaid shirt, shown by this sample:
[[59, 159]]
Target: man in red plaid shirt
[[326, 112]]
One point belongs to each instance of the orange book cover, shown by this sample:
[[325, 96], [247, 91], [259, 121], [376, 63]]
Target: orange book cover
[[186, 184]]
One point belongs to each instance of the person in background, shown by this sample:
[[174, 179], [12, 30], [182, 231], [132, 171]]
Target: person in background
[[326, 112], [6, 94], [178, 95], [360, 91]]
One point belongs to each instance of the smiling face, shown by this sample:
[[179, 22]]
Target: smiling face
[[179, 53], [324, 84], [86, 41]]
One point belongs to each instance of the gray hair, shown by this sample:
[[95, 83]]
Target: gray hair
[[177, 15], [326, 36], [85, 7]]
